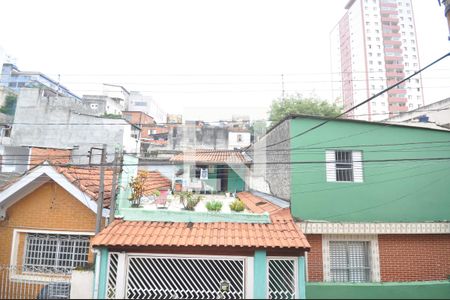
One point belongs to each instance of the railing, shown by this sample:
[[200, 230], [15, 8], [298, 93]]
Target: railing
[[16, 282]]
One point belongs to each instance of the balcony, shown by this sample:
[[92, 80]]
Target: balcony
[[398, 35], [396, 109], [397, 91], [389, 19], [397, 100]]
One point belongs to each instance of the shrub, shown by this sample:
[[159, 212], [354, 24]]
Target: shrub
[[189, 200], [214, 205], [237, 205]]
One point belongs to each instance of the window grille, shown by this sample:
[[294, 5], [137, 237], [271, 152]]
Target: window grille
[[349, 261], [55, 252], [344, 165]]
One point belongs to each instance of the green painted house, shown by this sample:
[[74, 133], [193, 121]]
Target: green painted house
[[212, 170], [372, 198]]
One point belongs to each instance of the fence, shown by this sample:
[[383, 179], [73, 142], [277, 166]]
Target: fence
[[17, 282]]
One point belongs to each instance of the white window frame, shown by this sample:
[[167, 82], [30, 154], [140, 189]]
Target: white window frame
[[374, 256], [330, 159], [15, 252]]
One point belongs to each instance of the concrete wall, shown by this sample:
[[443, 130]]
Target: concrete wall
[[191, 137], [267, 176], [82, 284], [233, 141], [68, 114]]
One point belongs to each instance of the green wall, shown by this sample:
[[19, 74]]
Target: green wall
[[408, 191], [414, 290], [235, 179]]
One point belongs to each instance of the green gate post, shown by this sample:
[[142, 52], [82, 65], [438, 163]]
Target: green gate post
[[260, 275], [301, 278]]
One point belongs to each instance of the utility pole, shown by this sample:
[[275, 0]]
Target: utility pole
[[101, 192], [282, 86], [117, 168]]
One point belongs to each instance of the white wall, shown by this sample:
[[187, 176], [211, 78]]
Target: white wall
[[233, 140]]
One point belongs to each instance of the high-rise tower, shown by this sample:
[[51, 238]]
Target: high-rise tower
[[374, 46]]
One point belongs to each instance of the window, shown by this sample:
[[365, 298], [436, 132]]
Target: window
[[344, 166], [239, 137], [55, 252], [349, 261]]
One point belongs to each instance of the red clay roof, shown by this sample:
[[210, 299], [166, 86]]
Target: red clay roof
[[88, 180], [282, 233], [211, 156], [52, 155]]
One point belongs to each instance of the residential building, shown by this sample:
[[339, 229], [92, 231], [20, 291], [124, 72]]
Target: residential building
[[374, 46], [146, 104], [101, 105], [65, 123], [213, 171], [238, 138], [15, 79], [436, 113], [372, 199], [175, 253], [118, 93], [174, 119], [47, 220]]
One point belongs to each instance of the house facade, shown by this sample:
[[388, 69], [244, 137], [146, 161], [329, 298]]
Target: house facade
[[153, 253], [372, 199], [213, 170], [47, 220]]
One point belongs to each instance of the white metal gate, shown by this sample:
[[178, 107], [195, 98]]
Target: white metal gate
[[17, 282], [282, 277], [156, 277]]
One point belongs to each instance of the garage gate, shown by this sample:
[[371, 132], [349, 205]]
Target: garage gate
[[154, 277]]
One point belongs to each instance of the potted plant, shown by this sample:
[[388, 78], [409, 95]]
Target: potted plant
[[237, 205], [137, 190], [189, 200], [214, 205]]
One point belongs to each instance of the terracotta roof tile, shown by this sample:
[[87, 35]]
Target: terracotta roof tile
[[281, 233], [212, 157], [87, 179]]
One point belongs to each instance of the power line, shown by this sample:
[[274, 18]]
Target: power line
[[362, 103]]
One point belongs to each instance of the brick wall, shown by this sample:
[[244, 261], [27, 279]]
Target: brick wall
[[414, 257], [315, 267], [49, 207]]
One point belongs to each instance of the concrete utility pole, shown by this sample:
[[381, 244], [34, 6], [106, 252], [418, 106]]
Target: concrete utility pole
[[117, 169], [101, 192]]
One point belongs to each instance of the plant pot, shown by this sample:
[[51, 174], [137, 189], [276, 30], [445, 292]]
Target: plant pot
[[135, 203]]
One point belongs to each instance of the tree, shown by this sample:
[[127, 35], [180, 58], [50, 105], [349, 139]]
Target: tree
[[9, 108], [297, 104]]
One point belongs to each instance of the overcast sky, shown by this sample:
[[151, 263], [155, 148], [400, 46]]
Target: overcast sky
[[207, 59]]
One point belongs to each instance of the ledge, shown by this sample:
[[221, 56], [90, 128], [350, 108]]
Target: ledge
[[161, 215]]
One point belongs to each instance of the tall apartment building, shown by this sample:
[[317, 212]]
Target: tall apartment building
[[374, 46]]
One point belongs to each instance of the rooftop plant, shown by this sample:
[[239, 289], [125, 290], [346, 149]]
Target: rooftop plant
[[137, 189], [237, 205], [214, 205], [189, 200]]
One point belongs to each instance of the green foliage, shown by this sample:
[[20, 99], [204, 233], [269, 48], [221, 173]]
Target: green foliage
[[297, 104], [9, 107], [189, 200], [259, 128], [214, 205], [156, 193], [237, 205]]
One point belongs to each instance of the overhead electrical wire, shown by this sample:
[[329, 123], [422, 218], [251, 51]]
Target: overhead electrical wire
[[362, 103]]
